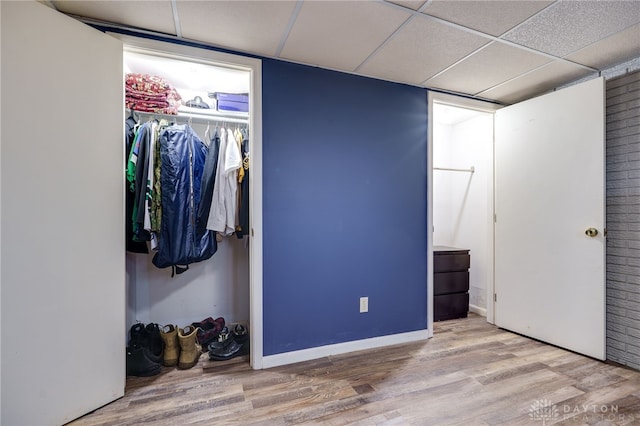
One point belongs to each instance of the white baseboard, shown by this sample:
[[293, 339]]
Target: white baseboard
[[477, 310], [342, 348]]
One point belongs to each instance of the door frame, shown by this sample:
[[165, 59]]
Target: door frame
[[254, 67], [476, 105]]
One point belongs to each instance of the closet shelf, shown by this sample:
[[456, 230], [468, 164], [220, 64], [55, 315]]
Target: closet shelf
[[451, 169], [204, 116]]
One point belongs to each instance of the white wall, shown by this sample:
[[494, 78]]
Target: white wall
[[217, 287], [462, 201], [442, 184]]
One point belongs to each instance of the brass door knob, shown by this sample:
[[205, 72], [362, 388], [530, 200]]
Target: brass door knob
[[591, 232]]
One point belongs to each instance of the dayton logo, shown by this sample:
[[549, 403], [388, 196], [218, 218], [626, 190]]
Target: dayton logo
[[543, 410]]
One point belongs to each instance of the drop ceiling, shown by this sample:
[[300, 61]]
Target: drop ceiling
[[504, 51]]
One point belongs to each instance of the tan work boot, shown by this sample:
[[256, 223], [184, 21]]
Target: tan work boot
[[189, 349], [169, 334]]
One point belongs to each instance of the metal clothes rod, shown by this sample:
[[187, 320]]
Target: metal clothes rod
[[199, 117], [470, 169]]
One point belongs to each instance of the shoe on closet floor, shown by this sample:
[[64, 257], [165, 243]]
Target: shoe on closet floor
[[169, 335], [208, 330], [226, 352], [138, 334], [189, 348], [147, 338], [139, 364], [223, 340], [155, 344], [240, 333], [236, 344]]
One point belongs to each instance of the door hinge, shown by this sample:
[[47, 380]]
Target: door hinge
[[495, 297], [604, 232], [495, 218]]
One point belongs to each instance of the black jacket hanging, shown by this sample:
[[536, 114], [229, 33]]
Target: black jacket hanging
[[208, 180], [131, 244]]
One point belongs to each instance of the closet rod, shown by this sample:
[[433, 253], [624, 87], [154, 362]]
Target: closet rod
[[199, 117], [470, 169]]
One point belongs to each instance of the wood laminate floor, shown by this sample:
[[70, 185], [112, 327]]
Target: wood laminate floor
[[469, 373]]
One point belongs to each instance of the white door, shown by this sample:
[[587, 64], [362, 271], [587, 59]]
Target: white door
[[62, 228], [549, 190]]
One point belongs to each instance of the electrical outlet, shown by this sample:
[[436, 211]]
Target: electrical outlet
[[364, 304]]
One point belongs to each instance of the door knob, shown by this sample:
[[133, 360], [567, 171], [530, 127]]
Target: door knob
[[591, 232]]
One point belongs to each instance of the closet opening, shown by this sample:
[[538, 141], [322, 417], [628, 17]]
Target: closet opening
[[213, 100], [461, 206]]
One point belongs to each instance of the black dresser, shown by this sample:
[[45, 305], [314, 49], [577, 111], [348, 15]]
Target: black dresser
[[450, 282]]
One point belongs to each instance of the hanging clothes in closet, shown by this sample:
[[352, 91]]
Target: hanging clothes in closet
[[132, 244], [137, 172], [165, 171], [222, 215], [242, 226], [225, 195], [181, 191]]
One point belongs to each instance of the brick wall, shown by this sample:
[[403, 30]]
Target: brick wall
[[623, 219]]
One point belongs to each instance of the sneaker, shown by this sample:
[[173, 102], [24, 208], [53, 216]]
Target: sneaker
[[231, 350], [240, 333]]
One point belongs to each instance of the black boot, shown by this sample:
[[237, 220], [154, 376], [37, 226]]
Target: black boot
[[138, 364], [148, 338], [154, 343]]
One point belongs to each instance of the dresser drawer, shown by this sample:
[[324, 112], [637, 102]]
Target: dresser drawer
[[450, 306], [450, 282], [446, 262]]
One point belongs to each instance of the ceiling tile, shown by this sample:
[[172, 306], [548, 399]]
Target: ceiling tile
[[486, 68], [149, 15], [490, 17], [324, 32], [613, 50], [542, 80], [411, 4], [248, 26], [422, 48], [567, 26]]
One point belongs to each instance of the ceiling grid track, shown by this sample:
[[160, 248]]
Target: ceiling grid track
[[290, 24], [485, 35], [506, 33], [51, 4], [384, 43], [523, 75], [464, 58], [176, 18], [468, 34]]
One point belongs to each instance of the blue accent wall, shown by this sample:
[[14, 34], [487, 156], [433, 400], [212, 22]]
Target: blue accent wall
[[345, 202]]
